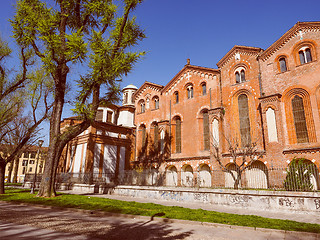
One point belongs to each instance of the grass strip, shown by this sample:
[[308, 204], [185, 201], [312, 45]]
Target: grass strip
[[150, 209]]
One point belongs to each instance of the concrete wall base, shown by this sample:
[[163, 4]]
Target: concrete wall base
[[252, 199]]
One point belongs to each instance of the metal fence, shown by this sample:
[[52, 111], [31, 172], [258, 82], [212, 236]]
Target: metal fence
[[297, 177]]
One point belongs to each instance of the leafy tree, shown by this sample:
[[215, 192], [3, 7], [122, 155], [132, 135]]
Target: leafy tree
[[299, 175], [95, 33]]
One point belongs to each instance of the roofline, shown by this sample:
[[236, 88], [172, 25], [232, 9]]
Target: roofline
[[286, 35], [185, 67], [145, 84], [233, 49]]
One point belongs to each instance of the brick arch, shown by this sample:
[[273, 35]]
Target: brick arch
[[201, 110], [272, 106], [287, 97]]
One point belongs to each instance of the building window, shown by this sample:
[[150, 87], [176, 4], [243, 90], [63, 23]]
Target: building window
[[190, 91], [156, 103], [99, 116], [283, 64], [142, 107], [244, 120], [305, 55], [143, 136], [176, 95], [31, 162], [24, 162], [162, 139], [26, 155], [156, 135], [109, 116], [30, 169], [125, 100], [206, 138], [23, 170], [299, 118], [132, 99], [240, 76], [33, 155], [178, 135], [204, 89]]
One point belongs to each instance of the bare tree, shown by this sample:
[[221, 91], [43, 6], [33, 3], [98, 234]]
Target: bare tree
[[242, 157]]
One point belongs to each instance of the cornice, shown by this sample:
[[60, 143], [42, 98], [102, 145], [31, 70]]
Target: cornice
[[207, 73], [147, 85]]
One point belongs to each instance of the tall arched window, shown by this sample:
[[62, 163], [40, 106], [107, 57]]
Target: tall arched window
[[143, 136], [190, 91], [156, 135], [162, 139], [125, 100], [178, 135], [299, 117], [283, 64], [244, 120], [206, 137]]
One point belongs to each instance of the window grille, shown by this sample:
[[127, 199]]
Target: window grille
[[178, 135], [244, 120], [299, 119]]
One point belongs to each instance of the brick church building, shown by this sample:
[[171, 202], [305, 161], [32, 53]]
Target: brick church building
[[268, 97]]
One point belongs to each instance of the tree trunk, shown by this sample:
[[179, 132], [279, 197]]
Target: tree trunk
[[2, 176], [10, 172], [15, 170]]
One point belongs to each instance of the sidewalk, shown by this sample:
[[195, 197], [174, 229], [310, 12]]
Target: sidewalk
[[294, 216]]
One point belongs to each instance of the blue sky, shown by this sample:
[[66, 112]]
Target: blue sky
[[202, 30]]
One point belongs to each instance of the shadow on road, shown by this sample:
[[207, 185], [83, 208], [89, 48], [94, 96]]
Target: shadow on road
[[59, 224]]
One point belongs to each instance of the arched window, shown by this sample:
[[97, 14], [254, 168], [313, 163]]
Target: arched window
[[283, 64], [162, 139], [190, 91], [143, 135], [155, 135], [204, 89], [240, 76], [299, 119], [176, 97], [244, 120], [206, 137], [125, 100], [156, 102], [305, 55], [132, 99], [142, 107], [178, 135]]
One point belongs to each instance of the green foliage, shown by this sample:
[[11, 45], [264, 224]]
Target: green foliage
[[150, 209], [299, 176]]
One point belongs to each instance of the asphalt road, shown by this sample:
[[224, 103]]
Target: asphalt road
[[34, 222]]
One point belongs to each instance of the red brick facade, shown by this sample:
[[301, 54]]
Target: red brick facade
[[272, 84]]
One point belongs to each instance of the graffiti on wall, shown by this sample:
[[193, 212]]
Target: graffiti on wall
[[286, 202], [238, 199]]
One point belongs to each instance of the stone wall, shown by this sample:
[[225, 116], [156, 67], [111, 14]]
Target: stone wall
[[252, 199]]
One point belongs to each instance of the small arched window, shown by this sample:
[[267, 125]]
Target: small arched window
[[125, 100], [240, 76], [142, 107], [283, 64], [305, 55], [204, 88], [176, 97], [190, 91], [156, 102]]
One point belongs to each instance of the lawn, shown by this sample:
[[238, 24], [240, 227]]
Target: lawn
[[150, 209]]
